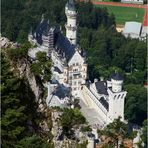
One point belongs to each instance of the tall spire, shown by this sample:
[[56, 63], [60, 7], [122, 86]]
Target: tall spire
[[71, 1], [42, 19], [71, 25], [71, 5]]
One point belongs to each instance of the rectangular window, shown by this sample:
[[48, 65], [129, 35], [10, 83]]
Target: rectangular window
[[79, 82]]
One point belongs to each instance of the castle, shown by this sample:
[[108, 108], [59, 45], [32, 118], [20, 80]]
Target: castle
[[69, 70]]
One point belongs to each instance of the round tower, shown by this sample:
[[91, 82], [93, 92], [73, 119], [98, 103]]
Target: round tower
[[71, 26], [117, 82]]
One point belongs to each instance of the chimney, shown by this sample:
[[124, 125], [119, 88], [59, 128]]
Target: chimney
[[101, 78], [95, 80]]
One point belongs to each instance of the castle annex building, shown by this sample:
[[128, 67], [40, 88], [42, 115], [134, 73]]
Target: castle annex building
[[69, 70]]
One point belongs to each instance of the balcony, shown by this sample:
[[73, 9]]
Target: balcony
[[70, 27]]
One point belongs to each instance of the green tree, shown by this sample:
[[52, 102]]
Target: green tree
[[42, 66], [18, 53], [117, 130], [70, 118], [33, 142], [135, 105], [144, 132], [13, 117]]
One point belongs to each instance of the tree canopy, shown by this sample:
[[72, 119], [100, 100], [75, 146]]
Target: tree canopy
[[135, 106], [19, 115], [69, 119], [42, 66]]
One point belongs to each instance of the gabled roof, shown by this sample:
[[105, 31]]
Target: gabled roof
[[101, 87], [104, 103], [57, 70], [61, 91], [64, 46], [43, 26]]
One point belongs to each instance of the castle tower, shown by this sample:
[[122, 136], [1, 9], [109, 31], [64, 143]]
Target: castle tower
[[71, 27], [116, 98]]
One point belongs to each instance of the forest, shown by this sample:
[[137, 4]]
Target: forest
[[107, 51]]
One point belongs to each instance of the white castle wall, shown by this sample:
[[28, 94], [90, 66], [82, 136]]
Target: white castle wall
[[116, 104], [94, 103]]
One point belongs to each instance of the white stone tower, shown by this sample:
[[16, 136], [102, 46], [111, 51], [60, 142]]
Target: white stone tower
[[116, 98], [71, 25]]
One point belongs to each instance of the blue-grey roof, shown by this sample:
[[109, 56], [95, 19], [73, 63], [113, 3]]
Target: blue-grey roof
[[43, 26], [116, 76], [71, 5], [132, 27], [61, 91], [101, 87], [104, 103], [64, 47], [62, 44], [57, 70]]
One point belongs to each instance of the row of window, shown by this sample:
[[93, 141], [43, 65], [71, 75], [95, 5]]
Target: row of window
[[77, 69], [75, 64], [118, 96], [77, 76], [75, 88]]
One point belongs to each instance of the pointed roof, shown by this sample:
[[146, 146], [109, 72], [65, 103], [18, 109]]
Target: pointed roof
[[64, 46], [71, 5], [40, 29], [117, 76]]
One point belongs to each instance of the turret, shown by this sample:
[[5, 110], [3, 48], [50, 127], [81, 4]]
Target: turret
[[117, 82], [116, 97], [71, 27]]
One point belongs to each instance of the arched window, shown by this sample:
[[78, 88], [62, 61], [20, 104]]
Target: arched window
[[119, 96]]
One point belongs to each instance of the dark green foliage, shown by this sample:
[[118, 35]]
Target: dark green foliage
[[19, 115], [69, 119], [19, 53], [82, 145], [91, 17], [115, 131], [107, 49], [18, 16], [42, 66], [13, 117], [108, 145], [144, 135], [33, 142], [86, 129], [136, 106]]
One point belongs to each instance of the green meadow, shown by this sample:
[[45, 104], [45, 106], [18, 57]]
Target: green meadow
[[124, 14]]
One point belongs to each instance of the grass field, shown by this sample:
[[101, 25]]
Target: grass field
[[124, 14]]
